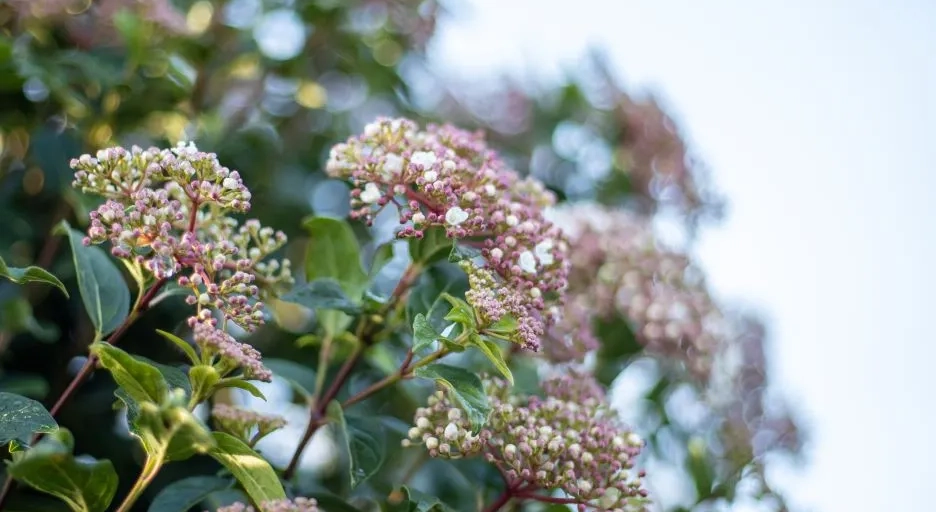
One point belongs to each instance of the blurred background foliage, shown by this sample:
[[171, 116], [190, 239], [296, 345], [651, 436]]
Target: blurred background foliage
[[270, 85]]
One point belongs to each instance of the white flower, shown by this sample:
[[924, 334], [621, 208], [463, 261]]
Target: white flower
[[229, 183], [451, 432], [371, 193], [423, 422], [497, 254], [455, 216], [512, 220], [432, 443], [535, 293], [424, 158], [393, 164], [584, 485], [419, 218], [448, 165], [430, 176], [634, 439], [543, 251], [489, 189], [527, 262], [371, 129]]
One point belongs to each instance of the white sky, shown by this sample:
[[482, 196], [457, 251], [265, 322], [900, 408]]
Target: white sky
[[818, 123]]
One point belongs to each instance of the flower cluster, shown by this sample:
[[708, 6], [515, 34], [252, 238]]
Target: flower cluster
[[166, 213], [446, 178], [294, 505], [620, 267], [244, 423], [569, 440]]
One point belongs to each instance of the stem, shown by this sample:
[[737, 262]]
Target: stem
[[317, 410], [364, 337], [150, 469], [324, 357], [405, 372], [500, 501]]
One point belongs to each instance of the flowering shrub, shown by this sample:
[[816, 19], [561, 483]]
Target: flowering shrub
[[445, 333]]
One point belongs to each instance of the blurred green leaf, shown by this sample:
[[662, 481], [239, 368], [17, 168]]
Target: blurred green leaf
[[432, 247], [30, 275], [324, 293], [333, 252], [183, 494], [50, 467], [183, 345], [103, 289]]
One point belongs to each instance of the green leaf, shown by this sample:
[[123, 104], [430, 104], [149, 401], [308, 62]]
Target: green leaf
[[103, 289], [464, 387], [382, 256], [183, 345], [254, 473], [363, 440], [204, 379], [324, 293], [334, 253], [241, 384], [495, 355], [461, 311], [142, 381], [50, 467], [463, 252], [186, 435], [16, 316], [412, 500], [181, 495], [332, 503], [30, 275], [503, 328], [424, 334], [432, 247], [21, 417], [301, 378]]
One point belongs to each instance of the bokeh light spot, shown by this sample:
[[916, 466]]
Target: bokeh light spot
[[280, 34], [199, 17], [311, 95]]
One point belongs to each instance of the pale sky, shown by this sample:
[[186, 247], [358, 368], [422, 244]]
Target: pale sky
[[817, 119]]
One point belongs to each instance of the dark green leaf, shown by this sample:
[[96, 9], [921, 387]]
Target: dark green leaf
[[324, 293], [51, 468], [204, 378], [183, 345], [506, 326], [329, 502], [424, 334], [417, 501], [363, 440], [21, 417], [30, 275], [186, 434], [103, 290], [464, 387], [142, 381], [254, 473], [495, 355], [334, 253], [16, 316], [432, 247], [181, 495], [301, 378], [382, 256]]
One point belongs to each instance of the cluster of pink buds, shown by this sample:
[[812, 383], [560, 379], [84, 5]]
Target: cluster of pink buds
[[167, 213], [620, 267], [294, 505], [570, 440], [244, 423], [446, 178]]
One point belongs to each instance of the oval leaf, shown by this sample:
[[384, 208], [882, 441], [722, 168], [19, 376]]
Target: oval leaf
[[50, 467], [183, 345], [142, 381], [334, 253], [103, 289], [495, 355], [432, 247], [324, 293], [181, 495], [424, 334], [21, 417], [254, 473], [30, 275], [362, 440], [464, 387]]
